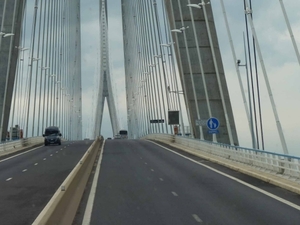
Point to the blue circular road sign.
(212, 123)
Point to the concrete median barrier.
(62, 207)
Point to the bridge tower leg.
(11, 14)
(187, 49)
(105, 86)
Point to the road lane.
(28, 181)
(141, 183)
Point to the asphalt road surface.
(28, 181)
(142, 183)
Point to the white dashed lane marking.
(24, 170)
(197, 218)
(174, 193)
(161, 179)
(44, 159)
(36, 164)
(8, 179)
(152, 170)
(145, 163)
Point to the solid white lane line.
(197, 218)
(89, 206)
(174, 193)
(161, 179)
(24, 170)
(19, 154)
(36, 164)
(8, 179)
(237, 180)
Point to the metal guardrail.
(275, 163)
(11, 146)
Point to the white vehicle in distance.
(117, 136)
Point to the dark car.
(52, 136)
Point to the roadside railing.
(11, 146)
(280, 164)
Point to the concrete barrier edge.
(62, 207)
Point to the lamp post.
(154, 80)
(181, 30)
(200, 63)
(249, 96)
(248, 12)
(4, 35)
(169, 45)
(202, 5)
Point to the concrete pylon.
(105, 86)
(194, 39)
(11, 14)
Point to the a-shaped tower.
(105, 87)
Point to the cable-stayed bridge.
(165, 56)
(40, 67)
(175, 77)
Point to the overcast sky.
(90, 63)
(280, 60)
